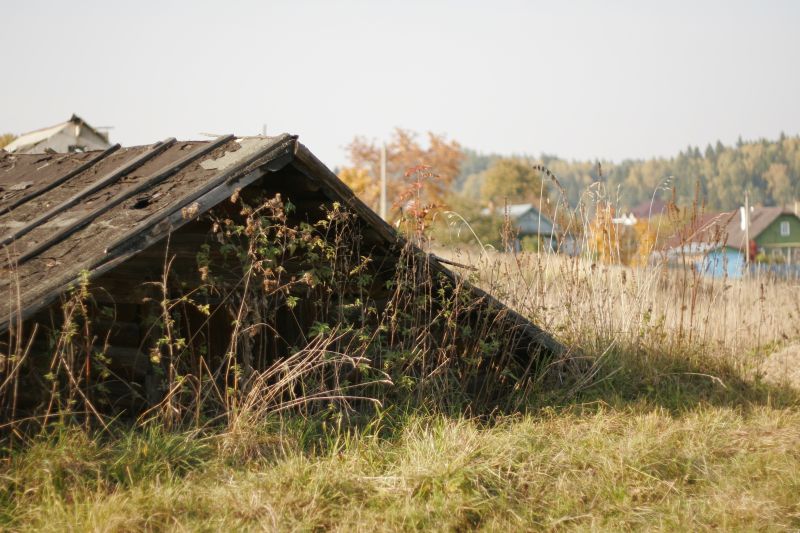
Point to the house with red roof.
(721, 244)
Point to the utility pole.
(264, 130)
(383, 181)
(747, 257)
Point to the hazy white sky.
(578, 79)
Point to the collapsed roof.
(62, 215)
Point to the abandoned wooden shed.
(129, 229)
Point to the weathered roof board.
(63, 214)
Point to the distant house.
(775, 230)
(702, 242)
(529, 223)
(74, 135)
(718, 243)
(643, 211)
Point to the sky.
(583, 80)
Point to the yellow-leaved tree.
(603, 237)
(514, 180)
(6, 138)
(404, 152)
(363, 184)
(645, 243)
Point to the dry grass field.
(636, 466)
(742, 321)
(669, 412)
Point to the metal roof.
(27, 141)
(528, 216)
(514, 210)
(703, 231)
(65, 214)
(725, 229)
(760, 219)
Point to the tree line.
(719, 174)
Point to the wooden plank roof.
(65, 214)
(97, 217)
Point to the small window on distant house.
(785, 228)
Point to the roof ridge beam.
(282, 151)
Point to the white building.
(74, 135)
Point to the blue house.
(722, 261)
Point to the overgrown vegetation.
(658, 417)
(661, 444)
(281, 312)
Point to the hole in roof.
(141, 202)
